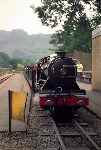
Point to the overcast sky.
(17, 14)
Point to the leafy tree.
(77, 26)
(53, 11)
(4, 60)
(77, 35)
(14, 62)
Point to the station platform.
(94, 97)
(15, 83)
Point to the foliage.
(14, 62)
(4, 60)
(76, 36)
(77, 26)
(53, 11)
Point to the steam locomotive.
(54, 77)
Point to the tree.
(77, 26)
(53, 11)
(4, 60)
(76, 35)
(14, 62)
(82, 35)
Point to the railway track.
(4, 78)
(83, 132)
(75, 137)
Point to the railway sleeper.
(87, 136)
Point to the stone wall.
(85, 59)
(96, 59)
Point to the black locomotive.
(54, 77)
(57, 74)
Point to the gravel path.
(15, 140)
(40, 133)
(19, 140)
(43, 129)
(14, 83)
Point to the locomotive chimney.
(61, 54)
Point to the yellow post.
(17, 106)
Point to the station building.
(96, 59)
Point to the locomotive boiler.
(54, 77)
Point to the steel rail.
(87, 136)
(5, 78)
(59, 137)
(83, 132)
(63, 147)
(92, 112)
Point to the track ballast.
(83, 132)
